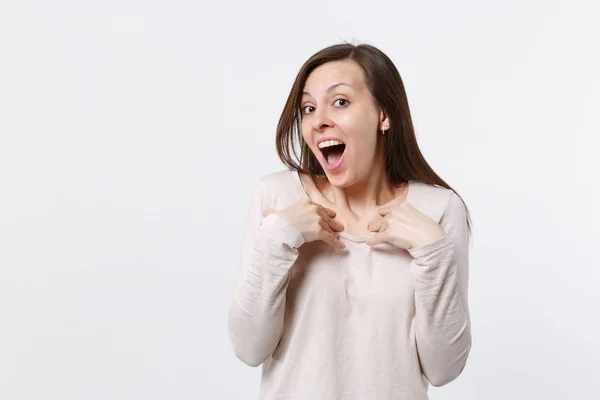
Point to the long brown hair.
(403, 158)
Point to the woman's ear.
(384, 121)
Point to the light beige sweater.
(360, 323)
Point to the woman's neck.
(370, 192)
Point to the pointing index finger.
(384, 211)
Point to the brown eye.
(341, 102)
(304, 111)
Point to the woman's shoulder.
(280, 188)
(431, 199)
(432, 189)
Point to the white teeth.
(330, 159)
(329, 143)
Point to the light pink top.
(358, 323)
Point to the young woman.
(354, 268)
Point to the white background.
(131, 133)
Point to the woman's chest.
(355, 275)
(354, 225)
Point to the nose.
(321, 120)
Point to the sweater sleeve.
(269, 249)
(442, 321)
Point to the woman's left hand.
(405, 227)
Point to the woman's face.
(337, 105)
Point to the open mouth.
(333, 154)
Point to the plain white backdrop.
(131, 134)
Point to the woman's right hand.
(313, 220)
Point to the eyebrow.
(330, 88)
